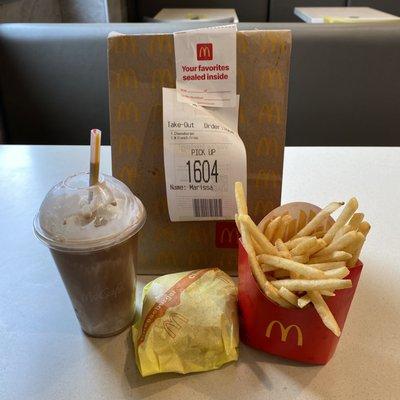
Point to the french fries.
(298, 261)
(341, 243)
(334, 256)
(272, 227)
(281, 229)
(364, 228)
(304, 285)
(348, 211)
(290, 265)
(241, 202)
(356, 220)
(257, 235)
(328, 265)
(257, 248)
(282, 249)
(320, 217)
(338, 273)
(289, 296)
(324, 312)
(304, 246)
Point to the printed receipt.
(203, 157)
(206, 66)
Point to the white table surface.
(316, 15)
(44, 355)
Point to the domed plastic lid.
(77, 217)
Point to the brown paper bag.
(139, 66)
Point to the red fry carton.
(296, 334)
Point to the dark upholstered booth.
(344, 82)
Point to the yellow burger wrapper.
(188, 323)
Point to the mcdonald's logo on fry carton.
(285, 331)
(204, 51)
(226, 235)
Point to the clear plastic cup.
(92, 233)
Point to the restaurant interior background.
(342, 138)
(343, 87)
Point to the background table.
(316, 15)
(44, 355)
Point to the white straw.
(95, 144)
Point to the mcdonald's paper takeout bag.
(139, 67)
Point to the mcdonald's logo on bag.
(226, 235)
(268, 146)
(125, 78)
(161, 77)
(285, 331)
(266, 179)
(127, 111)
(129, 144)
(204, 51)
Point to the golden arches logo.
(128, 144)
(265, 179)
(272, 78)
(127, 111)
(125, 78)
(271, 113)
(204, 51)
(268, 146)
(122, 44)
(273, 43)
(127, 174)
(161, 44)
(285, 331)
(174, 323)
(263, 207)
(161, 77)
(228, 235)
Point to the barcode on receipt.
(207, 207)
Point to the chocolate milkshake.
(92, 233)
